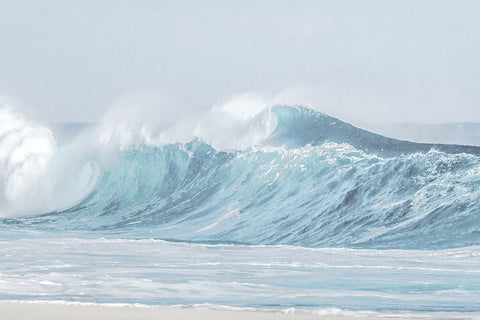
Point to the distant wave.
(303, 178)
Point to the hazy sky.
(392, 61)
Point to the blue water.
(320, 214)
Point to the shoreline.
(59, 310)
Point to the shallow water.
(157, 272)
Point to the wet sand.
(52, 311)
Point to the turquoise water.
(318, 215)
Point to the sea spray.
(328, 185)
(283, 208)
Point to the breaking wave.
(284, 175)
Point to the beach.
(57, 311)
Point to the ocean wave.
(304, 178)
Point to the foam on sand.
(60, 311)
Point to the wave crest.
(313, 180)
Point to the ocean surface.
(286, 209)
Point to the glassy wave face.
(314, 181)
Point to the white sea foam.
(26, 150)
(36, 176)
(268, 278)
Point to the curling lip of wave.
(316, 181)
